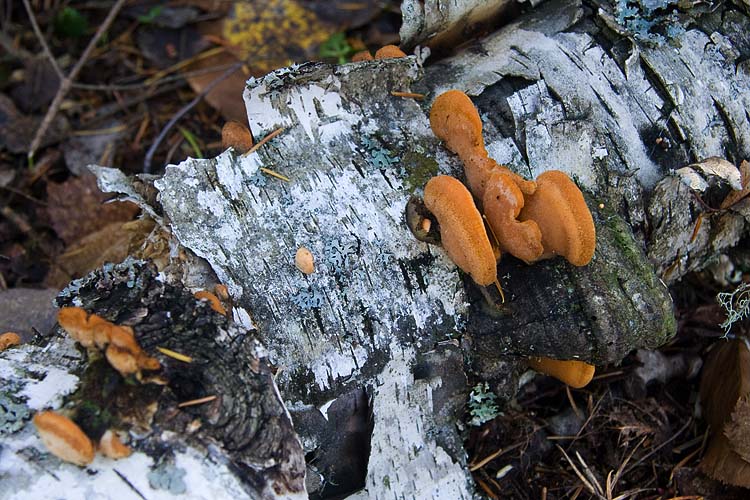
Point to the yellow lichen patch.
(274, 33)
(63, 438)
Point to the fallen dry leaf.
(76, 208)
(267, 34)
(725, 389)
(108, 244)
(737, 429)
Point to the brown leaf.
(109, 244)
(726, 379)
(725, 390)
(76, 208)
(40, 84)
(737, 429)
(16, 134)
(226, 96)
(722, 463)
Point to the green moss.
(418, 168)
(633, 257)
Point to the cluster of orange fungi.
(118, 342)
(531, 220)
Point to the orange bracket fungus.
(236, 135)
(63, 438)
(576, 374)
(502, 203)
(363, 55)
(455, 121)
(389, 52)
(527, 223)
(461, 228)
(558, 208)
(384, 52)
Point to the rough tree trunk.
(370, 348)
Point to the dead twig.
(67, 81)
(263, 141)
(148, 159)
(42, 40)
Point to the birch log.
(373, 341)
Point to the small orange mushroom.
(9, 339)
(63, 438)
(111, 446)
(461, 228)
(304, 261)
(74, 320)
(363, 55)
(221, 291)
(502, 203)
(575, 373)
(558, 208)
(389, 52)
(212, 299)
(236, 135)
(455, 120)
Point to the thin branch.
(171, 123)
(145, 85)
(66, 83)
(42, 40)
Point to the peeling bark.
(242, 443)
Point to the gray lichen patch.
(345, 202)
(13, 414)
(166, 476)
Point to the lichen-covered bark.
(446, 23)
(556, 89)
(243, 440)
(687, 230)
